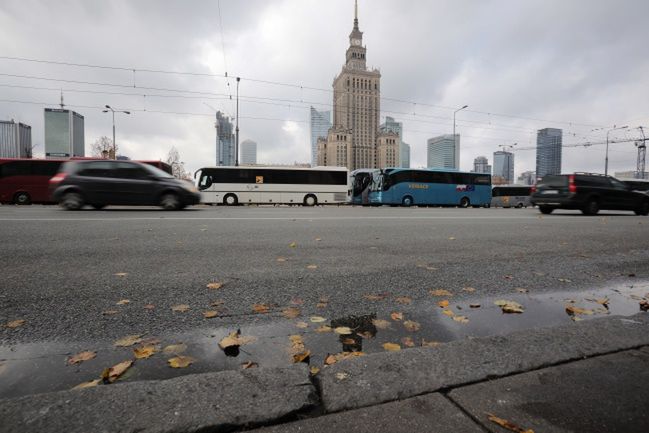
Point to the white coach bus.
(272, 185)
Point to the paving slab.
(214, 401)
(604, 394)
(384, 377)
(432, 413)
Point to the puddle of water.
(41, 367)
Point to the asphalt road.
(61, 270)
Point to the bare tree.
(103, 148)
(177, 166)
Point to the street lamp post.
(606, 159)
(109, 108)
(236, 149)
(454, 137)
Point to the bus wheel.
(22, 198)
(407, 201)
(465, 202)
(310, 200)
(230, 200)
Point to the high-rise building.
(387, 149)
(15, 140)
(391, 125)
(225, 140)
(504, 166)
(405, 155)
(320, 124)
(64, 133)
(548, 151)
(527, 178)
(356, 105)
(248, 152)
(444, 151)
(481, 165)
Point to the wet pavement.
(42, 367)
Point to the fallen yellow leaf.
(343, 330)
(349, 341)
(302, 325)
(411, 326)
(461, 319)
(314, 370)
(302, 356)
(396, 316)
(180, 308)
(342, 376)
(565, 280)
(443, 304)
(113, 373)
(332, 359)
(451, 238)
(15, 323)
(391, 347)
(318, 239)
(81, 356)
(109, 312)
(129, 340)
(144, 352)
(572, 310)
(121, 274)
(181, 361)
(209, 314)
(235, 339)
(261, 308)
(509, 306)
(123, 302)
(404, 300)
(317, 319)
(448, 313)
(408, 342)
(88, 384)
(291, 312)
(508, 425)
(292, 245)
(378, 297)
(440, 292)
(281, 259)
(323, 328)
(249, 364)
(425, 343)
(322, 303)
(215, 285)
(149, 307)
(381, 324)
(175, 349)
(312, 267)
(468, 289)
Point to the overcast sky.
(569, 64)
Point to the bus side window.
(206, 182)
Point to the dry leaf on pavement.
(461, 319)
(109, 312)
(343, 330)
(180, 308)
(443, 304)
(302, 325)
(317, 319)
(209, 314)
(468, 289)
(249, 364)
(334, 358)
(411, 325)
(281, 259)
(509, 306)
(149, 307)
(175, 349)
(508, 425)
(292, 245)
(448, 313)
(123, 302)
(440, 292)
(365, 334)
(302, 356)
(81, 356)
(261, 308)
(215, 285)
(408, 342)
(121, 274)
(404, 300)
(381, 324)
(291, 312)
(521, 290)
(88, 384)
(15, 323)
(425, 343)
(144, 352)
(322, 303)
(323, 328)
(396, 316)
(235, 339)
(181, 361)
(314, 370)
(129, 340)
(312, 267)
(565, 280)
(391, 347)
(342, 376)
(110, 375)
(572, 310)
(474, 305)
(377, 297)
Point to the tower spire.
(355, 14)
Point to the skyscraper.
(405, 155)
(527, 178)
(356, 104)
(64, 133)
(548, 151)
(15, 140)
(504, 166)
(392, 125)
(225, 151)
(481, 165)
(444, 152)
(248, 152)
(320, 124)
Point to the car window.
(97, 169)
(617, 184)
(126, 170)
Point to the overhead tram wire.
(277, 83)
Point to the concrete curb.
(219, 401)
(389, 376)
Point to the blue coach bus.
(359, 182)
(407, 187)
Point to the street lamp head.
(108, 106)
(466, 106)
(104, 111)
(127, 112)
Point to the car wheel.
(407, 201)
(71, 201)
(643, 209)
(591, 208)
(98, 206)
(230, 200)
(310, 200)
(547, 210)
(465, 202)
(170, 201)
(22, 198)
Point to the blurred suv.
(106, 182)
(589, 193)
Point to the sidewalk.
(590, 376)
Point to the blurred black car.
(105, 182)
(589, 193)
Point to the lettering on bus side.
(417, 186)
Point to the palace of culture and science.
(356, 140)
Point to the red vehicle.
(25, 181)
